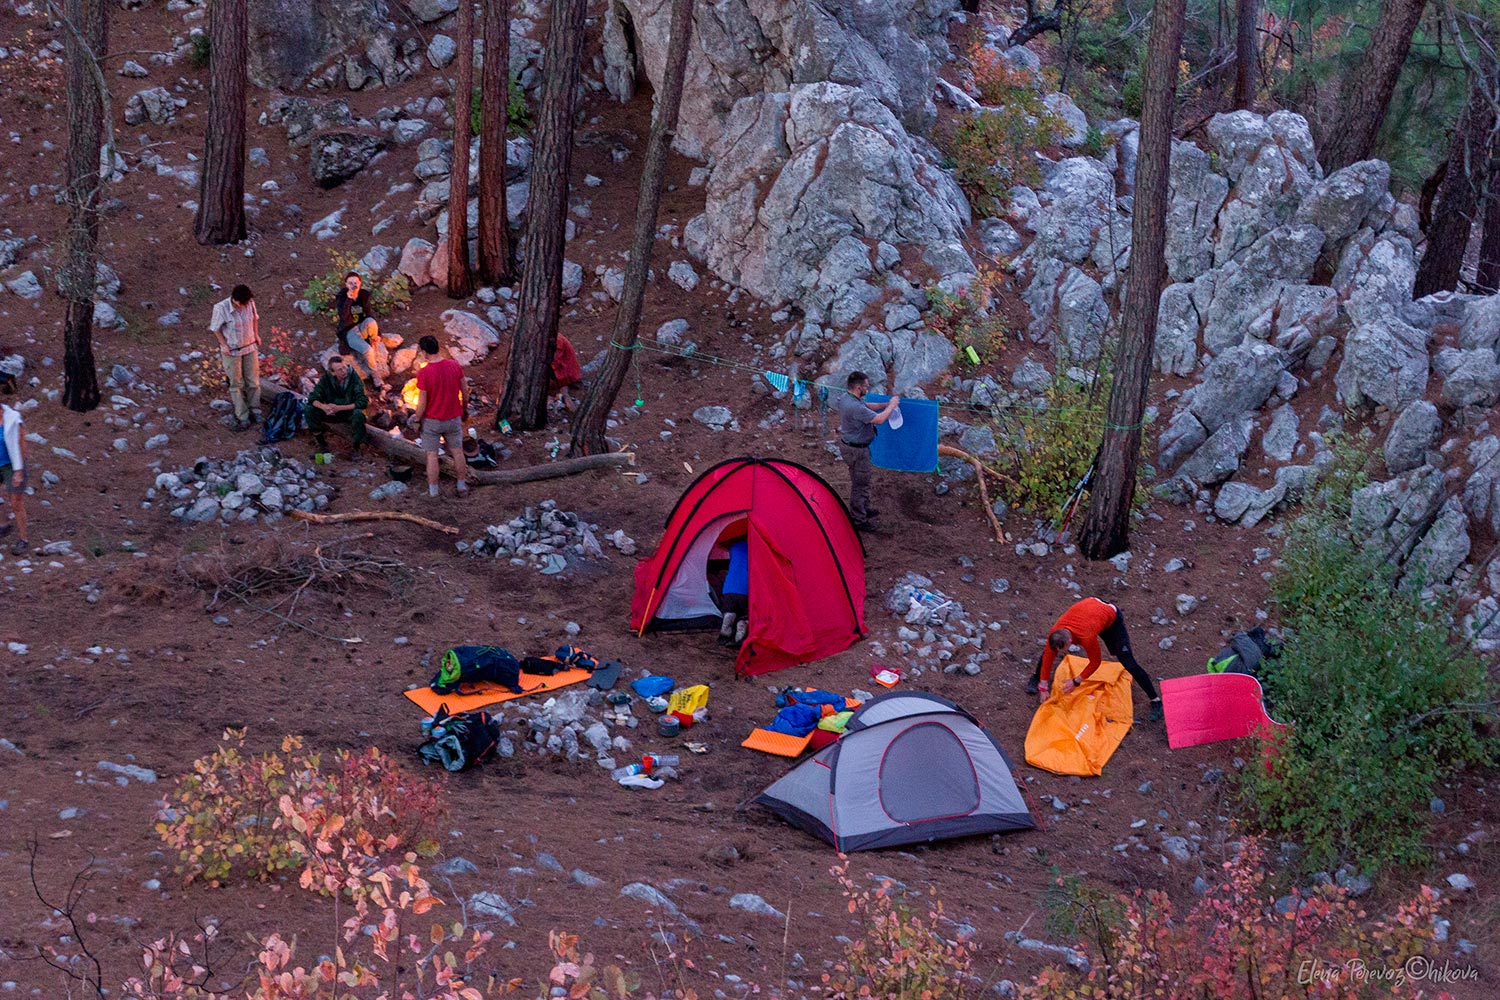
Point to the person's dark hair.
(1060, 640)
(242, 294)
(856, 378)
(354, 274)
(428, 344)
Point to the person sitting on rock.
(1086, 623)
(357, 329)
(338, 398)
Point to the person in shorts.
(13, 476)
(440, 413)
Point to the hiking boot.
(726, 630)
(1155, 715)
(432, 490)
(20, 547)
(463, 487)
(1031, 686)
(255, 416)
(741, 632)
(6, 529)
(241, 425)
(320, 442)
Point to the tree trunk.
(460, 278)
(1488, 278)
(525, 397)
(589, 424)
(1106, 528)
(1038, 23)
(494, 109)
(221, 194)
(1458, 196)
(1369, 86)
(1246, 53)
(86, 37)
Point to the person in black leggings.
(1087, 623)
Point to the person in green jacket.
(338, 398)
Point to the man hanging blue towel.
(913, 446)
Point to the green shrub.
(517, 114)
(200, 50)
(387, 294)
(1379, 696)
(993, 151)
(967, 318)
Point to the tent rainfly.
(911, 768)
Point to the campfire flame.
(409, 393)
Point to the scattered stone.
(751, 903)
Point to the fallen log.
(374, 515)
(398, 449)
(984, 494)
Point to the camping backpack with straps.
(284, 419)
(460, 741)
(1245, 654)
(472, 664)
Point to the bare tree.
(589, 425)
(1488, 278)
(221, 193)
(460, 278)
(1038, 22)
(1368, 89)
(1246, 53)
(494, 111)
(525, 398)
(86, 34)
(1458, 196)
(1106, 528)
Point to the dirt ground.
(144, 675)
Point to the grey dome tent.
(911, 768)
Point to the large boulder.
(469, 338)
(805, 182)
(1270, 167)
(1414, 431)
(1196, 194)
(1218, 458)
(338, 156)
(1340, 203)
(896, 360)
(1470, 378)
(1236, 384)
(890, 48)
(1076, 201)
(292, 39)
(1443, 547)
(1385, 363)
(156, 105)
(1375, 273)
(1176, 345)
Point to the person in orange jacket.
(1086, 623)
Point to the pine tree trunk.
(1369, 86)
(221, 194)
(85, 43)
(589, 424)
(525, 397)
(460, 278)
(1457, 202)
(1106, 528)
(1488, 279)
(494, 107)
(1246, 53)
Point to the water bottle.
(627, 771)
(654, 760)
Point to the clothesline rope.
(995, 411)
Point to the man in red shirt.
(1086, 623)
(440, 413)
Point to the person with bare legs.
(440, 413)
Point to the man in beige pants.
(236, 325)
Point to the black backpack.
(472, 664)
(1245, 654)
(465, 739)
(284, 419)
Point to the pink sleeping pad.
(1208, 708)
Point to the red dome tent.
(807, 564)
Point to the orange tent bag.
(1078, 731)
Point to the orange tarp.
(1077, 732)
(487, 693)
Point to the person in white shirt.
(236, 325)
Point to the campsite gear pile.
(806, 564)
(546, 538)
(256, 483)
(911, 768)
(805, 718)
(458, 742)
(1245, 654)
(937, 631)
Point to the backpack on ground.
(284, 419)
(465, 739)
(473, 664)
(1245, 654)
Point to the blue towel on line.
(913, 448)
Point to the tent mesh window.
(926, 774)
